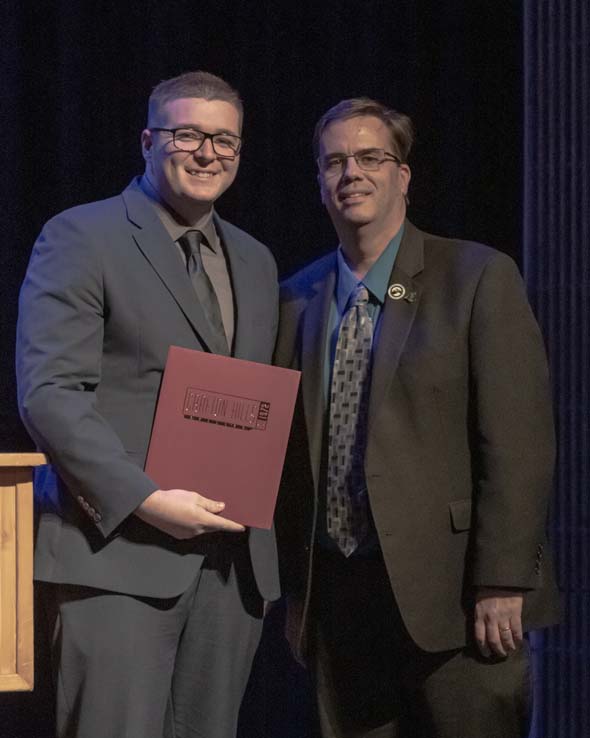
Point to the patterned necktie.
(191, 245)
(347, 503)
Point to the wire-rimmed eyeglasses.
(369, 160)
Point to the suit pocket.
(460, 515)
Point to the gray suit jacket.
(460, 451)
(104, 297)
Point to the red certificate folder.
(221, 429)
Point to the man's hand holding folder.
(184, 514)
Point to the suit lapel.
(156, 245)
(314, 337)
(399, 311)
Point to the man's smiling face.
(355, 197)
(190, 182)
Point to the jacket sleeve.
(513, 433)
(60, 331)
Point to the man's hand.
(184, 514)
(498, 625)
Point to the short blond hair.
(193, 84)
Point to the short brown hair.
(400, 125)
(193, 84)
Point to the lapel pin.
(396, 291)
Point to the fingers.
(229, 526)
(492, 640)
(212, 506)
(209, 516)
(506, 638)
(498, 625)
(480, 638)
(207, 522)
(517, 632)
(184, 514)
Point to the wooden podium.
(16, 570)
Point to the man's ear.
(146, 144)
(405, 176)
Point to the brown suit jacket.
(460, 450)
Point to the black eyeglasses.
(368, 160)
(225, 145)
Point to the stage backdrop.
(75, 80)
(557, 270)
(76, 77)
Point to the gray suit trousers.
(122, 663)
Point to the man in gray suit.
(155, 599)
(411, 519)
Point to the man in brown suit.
(412, 519)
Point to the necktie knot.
(194, 238)
(191, 244)
(360, 296)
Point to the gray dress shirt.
(212, 253)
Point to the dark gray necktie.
(347, 502)
(191, 245)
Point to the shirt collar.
(173, 222)
(376, 280)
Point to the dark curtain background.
(75, 77)
(557, 270)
